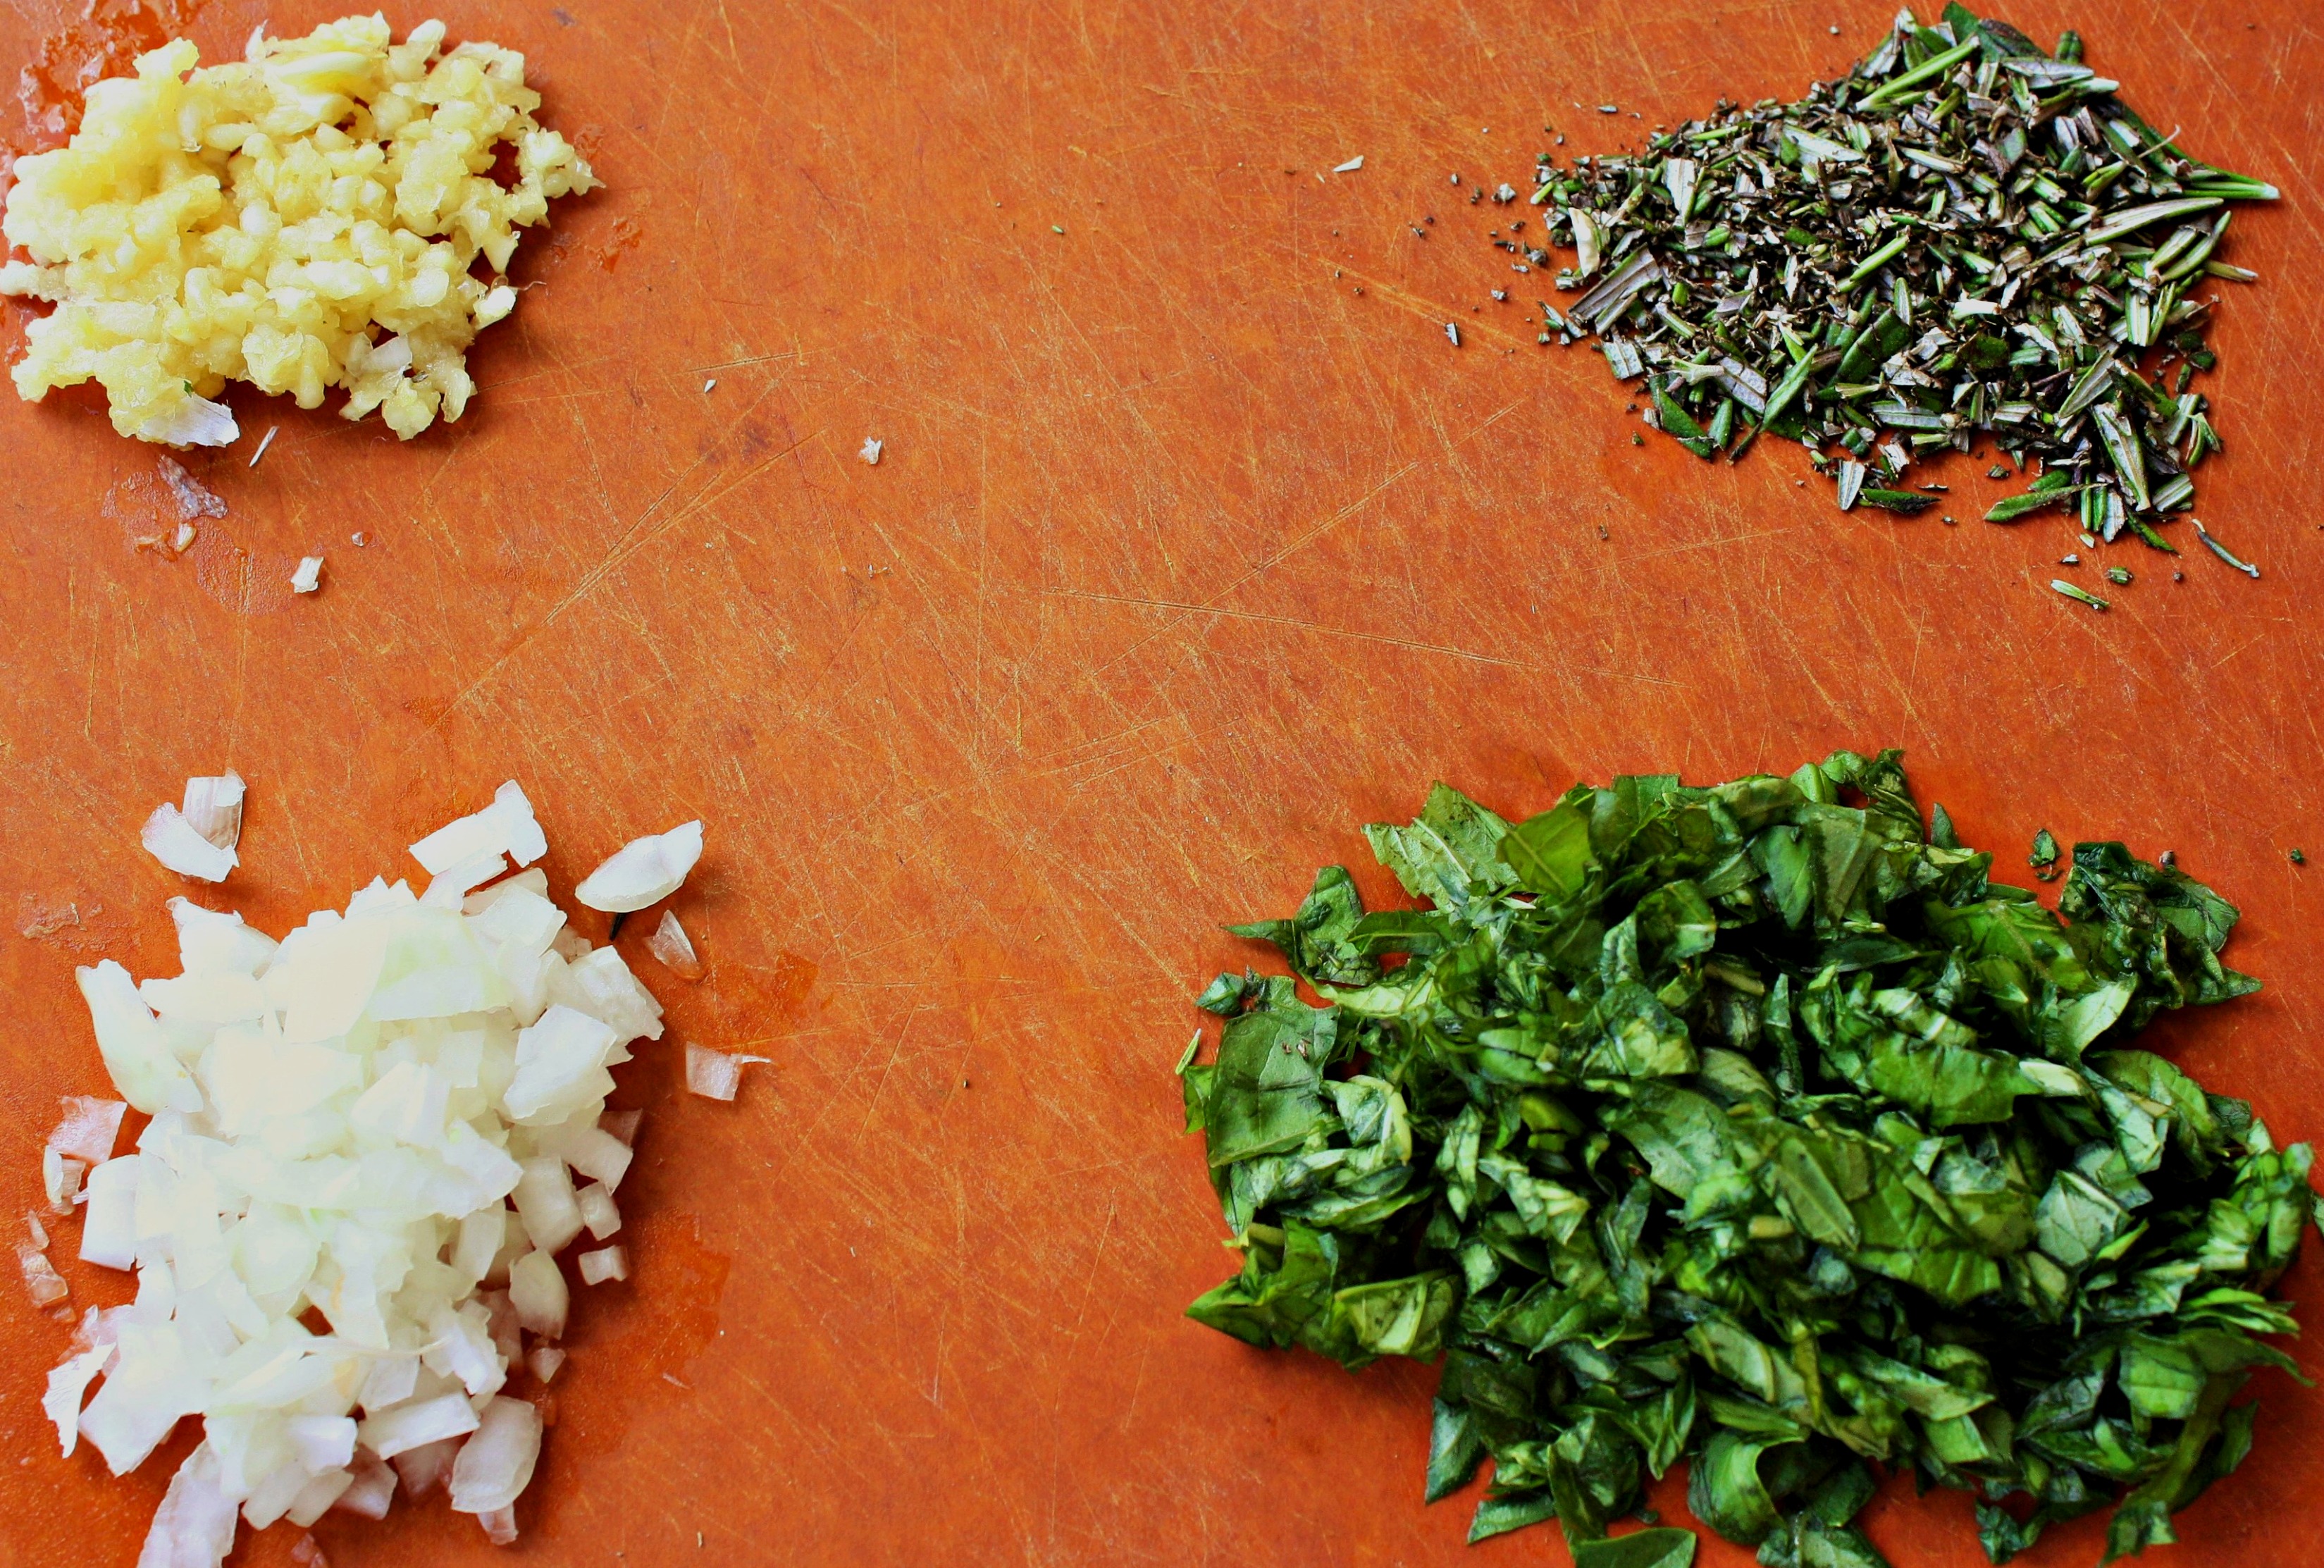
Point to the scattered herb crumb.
(2044, 858)
(2222, 550)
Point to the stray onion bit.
(872, 449)
(344, 1214)
(60, 1177)
(194, 1525)
(88, 1128)
(715, 1075)
(308, 577)
(41, 1280)
(178, 845)
(642, 872)
(83, 1139)
(214, 807)
(608, 1263)
(670, 943)
(198, 838)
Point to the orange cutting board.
(1194, 545)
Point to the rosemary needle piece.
(2080, 596)
(2222, 550)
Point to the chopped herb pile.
(1754, 1125)
(1965, 237)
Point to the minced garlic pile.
(304, 218)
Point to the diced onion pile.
(368, 1144)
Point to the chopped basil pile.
(1965, 237)
(1754, 1125)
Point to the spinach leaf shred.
(1754, 1125)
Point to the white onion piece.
(317, 1498)
(592, 1150)
(408, 1427)
(507, 826)
(715, 1075)
(215, 941)
(271, 1497)
(308, 577)
(60, 1180)
(322, 1443)
(600, 984)
(496, 1465)
(546, 1203)
(534, 882)
(159, 1375)
(507, 1332)
(482, 1235)
(69, 1384)
(536, 1287)
(173, 841)
(423, 1468)
(213, 808)
(643, 872)
(42, 1283)
(391, 1380)
(128, 1036)
(500, 1526)
(622, 1124)
(88, 1128)
(463, 1347)
(108, 1231)
(671, 945)
(372, 1490)
(560, 1066)
(606, 1263)
(194, 1525)
(545, 1361)
(450, 888)
(598, 1211)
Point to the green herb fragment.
(2079, 596)
(2044, 856)
(1755, 1127)
(1963, 238)
(2299, 857)
(2222, 550)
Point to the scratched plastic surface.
(1184, 559)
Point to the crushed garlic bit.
(872, 449)
(308, 577)
(257, 220)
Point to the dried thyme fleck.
(1963, 238)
